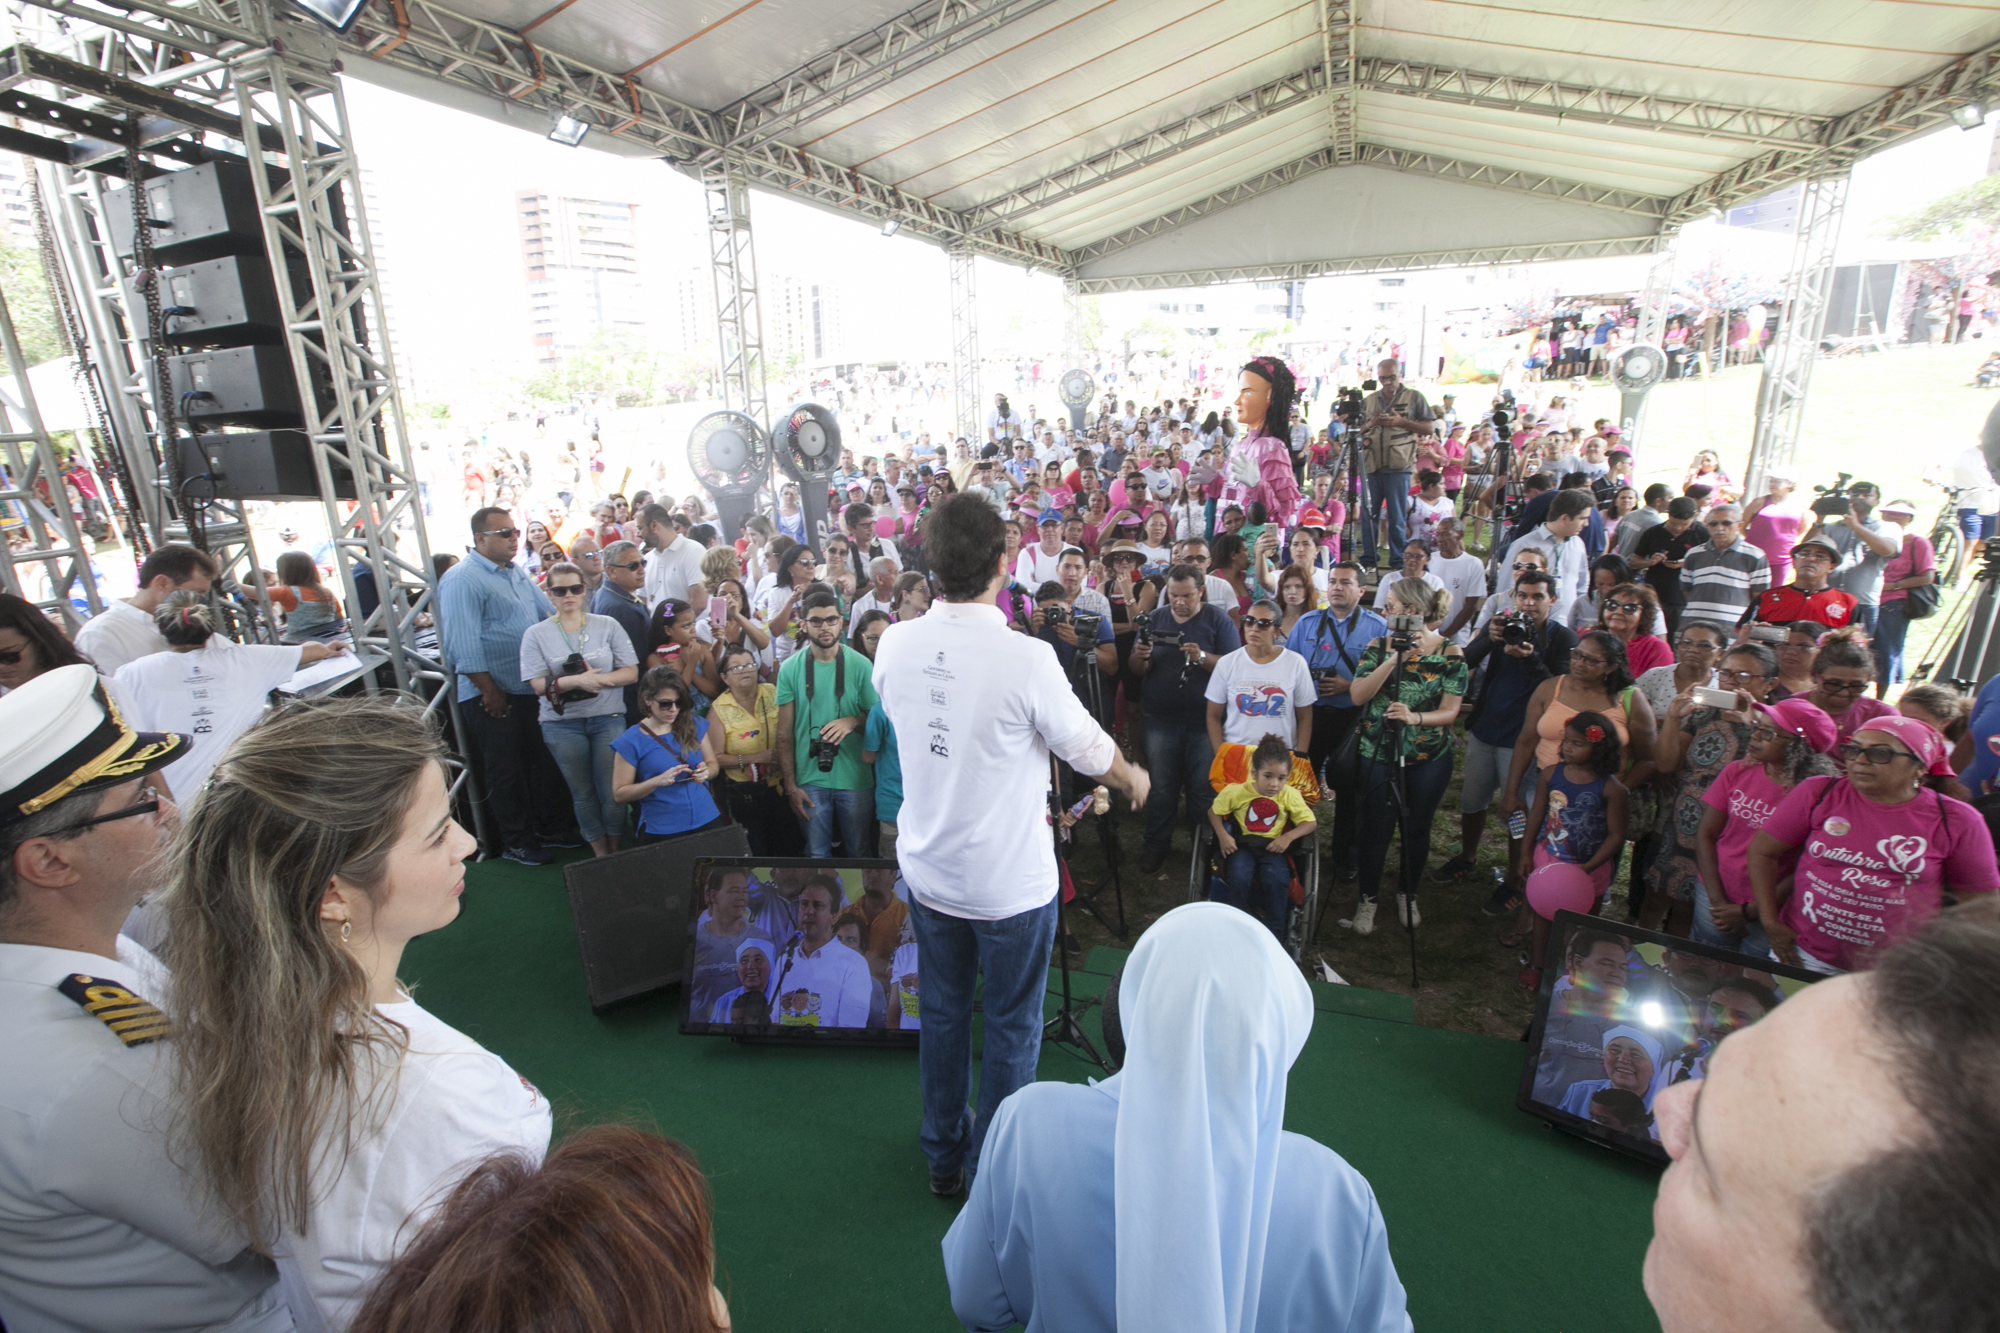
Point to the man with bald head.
(1836, 1168)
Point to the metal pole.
(965, 346)
(1781, 397)
(54, 540)
(739, 320)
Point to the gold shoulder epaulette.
(134, 1021)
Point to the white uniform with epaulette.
(99, 1230)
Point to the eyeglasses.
(1588, 659)
(1876, 755)
(148, 803)
(742, 666)
(1763, 735)
(1740, 677)
(1629, 608)
(566, 590)
(509, 533)
(822, 622)
(1840, 686)
(1526, 564)
(662, 705)
(629, 564)
(1259, 622)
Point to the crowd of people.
(1671, 685)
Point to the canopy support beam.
(965, 347)
(732, 267)
(1781, 396)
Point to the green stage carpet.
(823, 1216)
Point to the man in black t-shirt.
(1174, 682)
(1662, 550)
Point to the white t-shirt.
(828, 989)
(865, 603)
(1034, 566)
(1390, 577)
(1425, 516)
(673, 571)
(455, 1104)
(1261, 699)
(1464, 576)
(119, 634)
(214, 694)
(1220, 595)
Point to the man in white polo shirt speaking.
(978, 710)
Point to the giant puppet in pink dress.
(1259, 464)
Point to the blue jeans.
(1752, 941)
(1424, 784)
(856, 812)
(582, 747)
(1178, 753)
(1392, 488)
(1013, 955)
(1891, 628)
(1261, 884)
(1865, 616)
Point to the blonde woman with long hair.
(325, 1111)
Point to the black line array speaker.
(204, 212)
(235, 386)
(256, 465)
(631, 912)
(225, 302)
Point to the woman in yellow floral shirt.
(747, 713)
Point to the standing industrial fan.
(1635, 370)
(807, 443)
(731, 458)
(1076, 388)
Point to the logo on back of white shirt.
(939, 748)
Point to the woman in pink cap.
(1875, 850)
(1789, 742)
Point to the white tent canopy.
(1129, 143)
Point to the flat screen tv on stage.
(1624, 1014)
(800, 950)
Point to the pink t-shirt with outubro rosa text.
(1870, 874)
(1745, 793)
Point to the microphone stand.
(1064, 1027)
(1399, 793)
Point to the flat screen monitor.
(800, 950)
(1625, 1013)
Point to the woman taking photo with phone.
(325, 1111)
(663, 764)
(580, 665)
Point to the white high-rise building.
(581, 261)
(17, 200)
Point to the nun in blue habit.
(1169, 1196)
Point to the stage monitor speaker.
(232, 302)
(236, 386)
(631, 912)
(257, 465)
(204, 212)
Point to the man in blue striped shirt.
(485, 604)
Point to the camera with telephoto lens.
(823, 752)
(1517, 628)
(1403, 632)
(1833, 500)
(573, 665)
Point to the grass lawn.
(1884, 418)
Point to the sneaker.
(1505, 899)
(1364, 918)
(948, 1187)
(1150, 861)
(1406, 911)
(567, 841)
(527, 856)
(1456, 868)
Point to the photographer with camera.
(1331, 640)
(824, 695)
(1864, 542)
(580, 663)
(1177, 647)
(977, 712)
(1521, 648)
(1392, 419)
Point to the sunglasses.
(661, 705)
(1629, 608)
(629, 564)
(1259, 622)
(1526, 564)
(1876, 755)
(509, 533)
(566, 590)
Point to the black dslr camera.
(823, 752)
(1833, 500)
(1086, 626)
(573, 665)
(1517, 628)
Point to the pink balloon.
(1560, 886)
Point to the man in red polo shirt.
(1807, 596)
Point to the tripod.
(1065, 1028)
(1089, 684)
(1399, 797)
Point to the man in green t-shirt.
(824, 695)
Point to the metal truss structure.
(52, 567)
(174, 82)
(1073, 331)
(1320, 268)
(965, 347)
(732, 267)
(1337, 22)
(1788, 365)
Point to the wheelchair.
(1302, 915)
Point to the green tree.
(1953, 214)
(27, 292)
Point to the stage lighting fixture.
(336, 14)
(567, 130)
(1970, 116)
(892, 226)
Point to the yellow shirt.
(1259, 815)
(747, 732)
